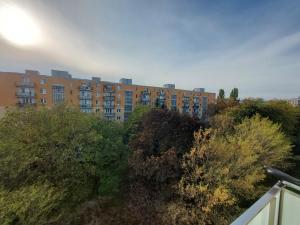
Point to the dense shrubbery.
(61, 166)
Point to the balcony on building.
(109, 98)
(161, 96)
(186, 102)
(145, 97)
(85, 87)
(85, 97)
(85, 106)
(85, 93)
(21, 94)
(108, 88)
(109, 94)
(196, 106)
(25, 83)
(109, 114)
(109, 106)
(26, 102)
(279, 206)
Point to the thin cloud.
(193, 44)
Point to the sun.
(18, 27)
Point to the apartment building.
(113, 100)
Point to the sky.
(252, 45)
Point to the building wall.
(8, 90)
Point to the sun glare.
(18, 27)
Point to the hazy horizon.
(254, 46)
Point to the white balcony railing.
(279, 206)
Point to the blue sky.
(253, 45)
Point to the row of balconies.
(108, 94)
(111, 105)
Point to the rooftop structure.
(60, 73)
(171, 86)
(126, 81)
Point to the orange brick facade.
(115, 101)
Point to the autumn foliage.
(160, 168)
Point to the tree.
(224, 169)
(161, 138)
(221, 95)
(234, 94)
(131, 125)
(220, 106)
(277, 111)
(31, 205)
(53, 148)
(111, 157)
(161, 130)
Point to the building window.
(118, 117)
(118, 110)
(58, 94)
(42, 81)
(128, 101)
(118, 87)
(98, 94)
(186, 104)
(43, 101)
(43, 91)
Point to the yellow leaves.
(206, 209)
(225, 171)
(223, 196)
(219, 197)
(202, 188)
(224, 167)
(193, 151)
(199, 171)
